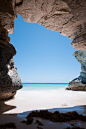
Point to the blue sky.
(43, 56)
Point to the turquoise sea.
(43, 86)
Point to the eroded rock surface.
(10, 82)
(80, 82)
(65, 16)
(7, 50)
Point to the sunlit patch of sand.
(45, 99)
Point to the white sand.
(45, 99)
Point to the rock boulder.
(10, 82)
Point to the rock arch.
(65, 16)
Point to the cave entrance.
(43, 56)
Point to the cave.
(64, 16)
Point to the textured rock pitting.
(9, 81)
(79, 83)
(64, 16)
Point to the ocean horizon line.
(42, 83)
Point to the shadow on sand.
(4, 107)
(17, 118)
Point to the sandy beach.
(45, 99)
(16, 109)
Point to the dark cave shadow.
(81, 110)
(4, 107)
(17, 118)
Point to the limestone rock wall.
(7, 51)
(79, 83)
(9, 81)
(65, 16)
